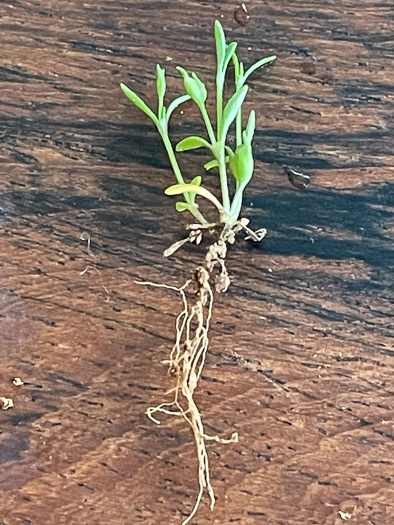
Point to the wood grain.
(302, 358)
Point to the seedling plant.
(187, 357)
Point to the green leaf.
(182, 206)
(175, 103)
(220, 40)
(161, 82)
(242, 164)
(232, 108)
(135, 99)
(229, 151)
(191, 197)
(250, 127)
(230, 50)
(214, 163)
(211, 164)
(197, 180)
(192, 143)
(178, 189)
(238, 71)
(236, 64)
(194, 87)
(260, 63)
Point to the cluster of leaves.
(239, 161)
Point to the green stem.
(219, 108)
(223, 178)
(236, 205)
(171, 155)
(198, 215)
(208, 125)
(220, 152)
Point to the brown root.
(187, 357)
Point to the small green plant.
(187, 357)
(239, 162)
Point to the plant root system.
(188, 355)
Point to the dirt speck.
(241, 15)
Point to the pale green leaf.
(175, 103)
(211, 164)
(214, 163)
(260, 63)
(192, 143)
(135, 99)
(182, 206)
(250, 127)
(196, 181)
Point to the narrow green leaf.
(161, 81)
(135, 99)
(192, 143)
(232, 108)
(230, 51)
(161, 90)
(229, 151)
(260, 63)
(236, 63)
(175, 103)
(182, 206)
(250, 127)
(220, 40)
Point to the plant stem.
(208, 125)
(197, 214)
(223, 178)
(219, 108)
(220, 152)
(236, 204)
(171, 155)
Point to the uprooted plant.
(188, 354)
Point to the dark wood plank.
(301, 360)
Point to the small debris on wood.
(297, 179)
(308, 68)
(7, 403)
(17, 381)
(86, 237)
(241, 15)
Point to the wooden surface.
(302, 359)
